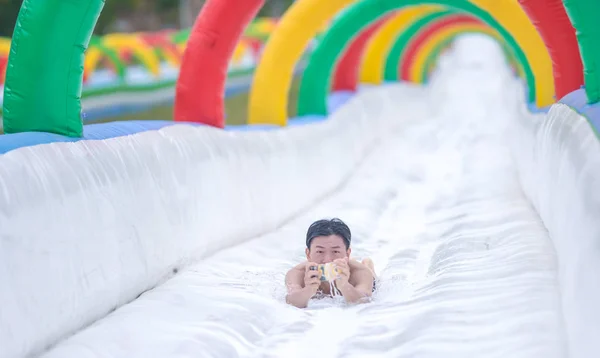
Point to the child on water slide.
(329, 269)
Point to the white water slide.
(481, 218)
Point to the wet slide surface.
(465, 265)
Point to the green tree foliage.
(9, 9)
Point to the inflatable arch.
(32, 96)
(314, 88)
(411, 37)
(400, 59)
(268, 96)
(584, 17)
(201, 84)
(253, 38)
(47, 98)
(246, 43)
(95, 52)
(400, 45)
(552, 22)
(378, 49)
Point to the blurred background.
(120, 74)
(139, 15)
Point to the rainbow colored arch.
(550, 43)
(547, 55)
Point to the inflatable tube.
(371, 70)
(397, 50)
(47, 98)
(404, 65)
(552, 22)
(415, 61)
(201, 84)
(347, 72)
(584, 17)
(312, 101)
(95, 52)
(136, 46)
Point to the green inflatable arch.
(47, 97)
(317, 75)
(584, 17)
(433, 57)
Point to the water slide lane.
(465, 263)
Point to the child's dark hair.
(326, 227)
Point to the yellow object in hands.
(329, 272)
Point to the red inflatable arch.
(199, 93)
(554, 26)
